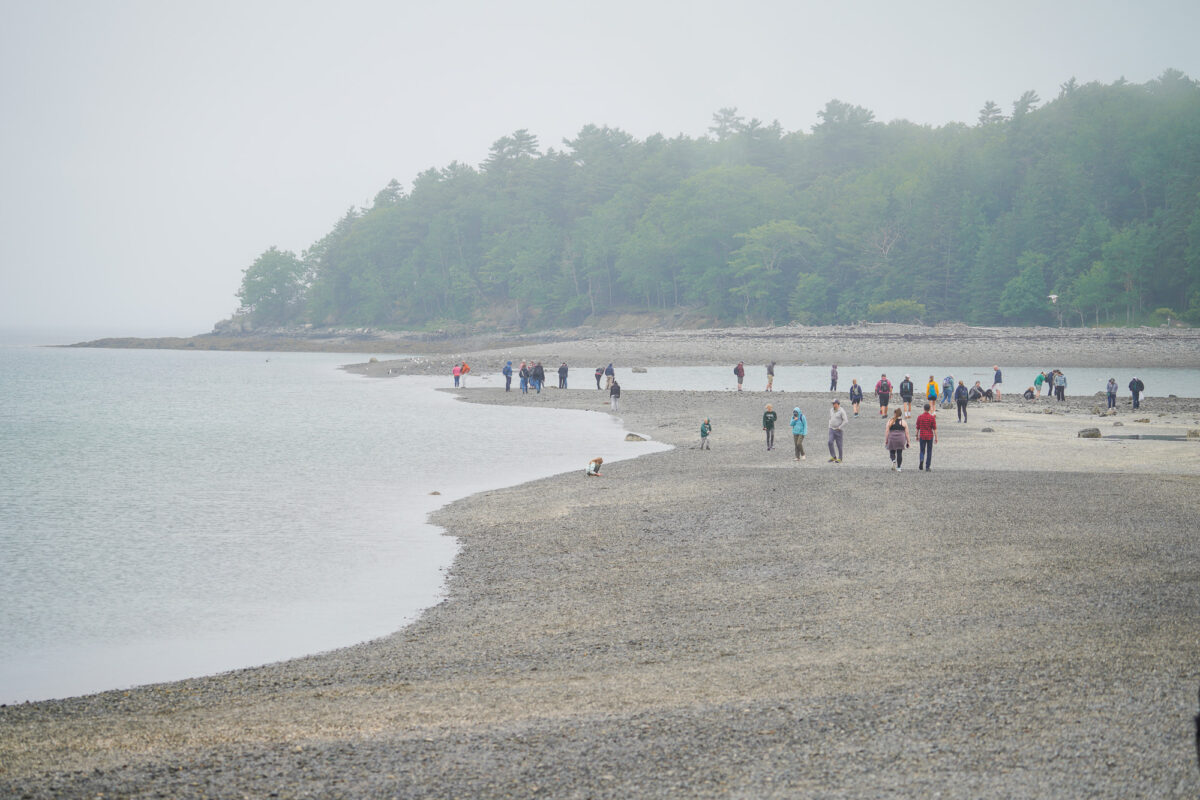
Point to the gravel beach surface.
(1022, 621)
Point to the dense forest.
(1084, 210)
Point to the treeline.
(1084, 210)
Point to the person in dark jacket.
(599, 375)
(614, 394)
(538, 373)
(562, 376)
(960, 399)
(855, 395)
(507, 372)
(1136, 387)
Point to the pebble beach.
(1022, 621)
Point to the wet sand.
(1021, 621)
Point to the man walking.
(837, 422)
(927, 436)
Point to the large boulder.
(1089, 433)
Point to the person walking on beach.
(770, 375)
(740, 372)
(931, 392)
(457, 373)
(837, 423)
(799, 431)
(948, 391)
(599, 375)
(610, 375)
(833, 378)
(614, 394)
(883, 390)
(705, 430)
(562, 376)
(769, 417)
(906, 394)
(465, 369)
(997, 379)
(507, 373)
(895, 438)
(1110, 392)
(960, 399)
(524, 376)
(1136, 387)
(926, 438)
(855, 395)
(1037, 385)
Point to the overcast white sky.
(150, 150)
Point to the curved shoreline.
(725, 622)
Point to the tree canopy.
(1092, 198)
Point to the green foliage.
(1092, 198)
(272, 287)
(896, 311)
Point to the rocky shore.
(1022, 621)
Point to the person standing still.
(833, 378)
(507, 373)
(1060, 385)
(562, 376)
(997, 379)
(926, 437)
(1136, 387)
(960, 399)
(837, 423)
(799, 431)
(610, 375)
(740, 372)
(769, 417)
(1110, 392)
(770, 375)
(457, 372)
(599, 375)
(614, 394)
(705, 430)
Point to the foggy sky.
(150, 151)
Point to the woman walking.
(855, 394)
(960, 398)
(799, 431)
(895, 438)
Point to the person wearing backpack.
(960, 398)
(855, 395)
(883, 390)
(799, 431)
(906, 394)
(740, 372)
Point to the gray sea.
(169, 514)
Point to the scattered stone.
(987, 430)
(1143, 419)
(1118, 424)
(1089, 433)
(373, 360)
(1047, 410)
(639, 369)
(633, 437)
(1194, 433)
(435, 492)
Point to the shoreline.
(742, 623)
(949, 344)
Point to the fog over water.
(149, 152)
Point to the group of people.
(532, 376)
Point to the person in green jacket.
(705, 430)
(1037, 384)
(769, 417)
(799, 431)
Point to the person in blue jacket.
(507, 372)
(799, 431)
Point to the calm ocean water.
(167, 514)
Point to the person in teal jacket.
(799, 431)
(705, 430)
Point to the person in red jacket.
(926, 436)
